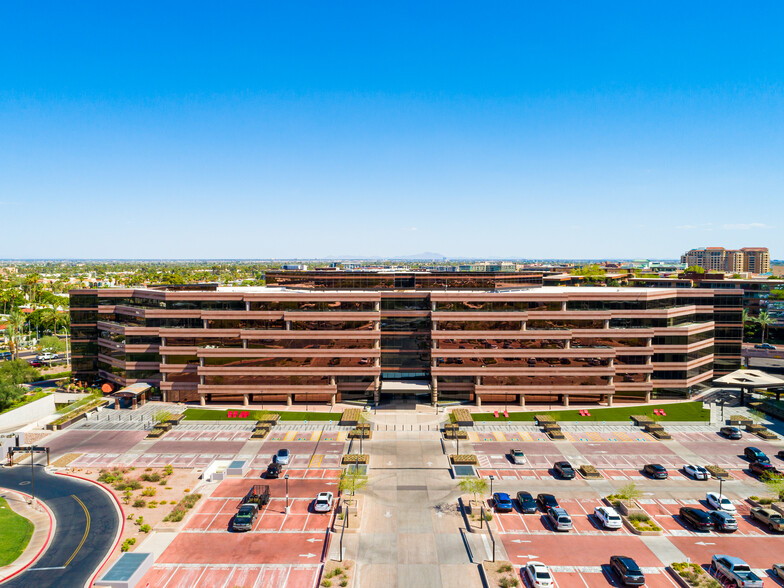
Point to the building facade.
(755, 260)
(326, 336)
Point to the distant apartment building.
(755, 260)
(327, 336)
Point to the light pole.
(721, 481)
(32, 475)
(492, 477)
(286, 477)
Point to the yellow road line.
(312, 459)
(86, 530)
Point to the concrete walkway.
(38, 516)
(412, 533)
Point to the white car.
(720, 502)
(696, 472)
(47, 357)
(323, 502)
(608, 517)
(517, 455)
(538, 575)
(282, 456)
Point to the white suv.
(323, 502)
(608, 517)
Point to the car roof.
(722, 514)
(731, 559)
(502, 494)
(627, 561)
(559, 510)
(324, 494)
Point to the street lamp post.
(286, 477)
(492, 477)
(32, 475)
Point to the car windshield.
(564, 520)
(542, 576)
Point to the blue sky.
(296, 129)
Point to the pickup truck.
(769, 517)
(735, 571)
(243, 520)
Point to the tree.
(18, 371)
(162, 416)
(775, 484)
(13, 330)
(352, 479)
(9, 393)
(695, 269)
(764, 320)
(473, 486)
(629, 492)
(52, 343)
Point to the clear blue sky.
(295, 129)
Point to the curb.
(122, 522)
(46, 543)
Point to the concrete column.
(563, 306)
(566, 400)
(244, 343)
(376, 389)
(204, 323)
(142, 397)
(116, 404)
(165, 395)
(332, 400)
(648, 396)
(523, 325)
(568, 344)
(609, 400)
(433, 390)
(247, 306)
(135, 405)
(245, 400)
(202, 402)
(376, 325)
(377, 306)
(288, 399)
(478, 400)
(522, 399)
(607, 323)
(288, 325)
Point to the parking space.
(207, 553)
(175, 576)
(90, 441)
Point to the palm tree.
(16, 321)
(764, 320)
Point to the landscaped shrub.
(127, 544)
(178, 513)
(153, 477)
(169, 469)
(127, 485)
(149, 491)
(139, 503)
(145, 528)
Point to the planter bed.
(556, 434)
(76, 415)
(755, 428)
(589, 472)
(767, 435)
(260, 433)
(176, 419)
(357, 433)
(355, 458)
(350, 417)
(641, 419)
(691, 575)
(543, 419)
(651, 530)
(495, 572)
(156, 433)
(466, 459)
(717, 472)
(651, 427)
(462, 417)
(455, 434)
(662, 435)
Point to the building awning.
(133, 391)
(750, 379)
(405, 387)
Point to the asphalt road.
(86, 525)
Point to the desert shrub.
(149, 491)
(153, 477)
(145, 528)
(139, 503)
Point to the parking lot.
(580, 557)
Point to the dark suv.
(655, 471)
(628, 570)
(564, 470)
(274, 469)
(546, 501)
(761, 468)
(731, 433)
(527, 502)
(697, 519)
(753, 454)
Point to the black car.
(753, 454)
(6, 356)
(546, 501)
(526, 502)
(274, 469)
(628, 570)
(762, 468)
(780, 454)
(697, 519)
(655, 471)
(731, 433)
(564, 470)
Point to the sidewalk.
(44, 529)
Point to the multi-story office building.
(336, 335)
(755, 260)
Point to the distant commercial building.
(326, 336)
(754, 260)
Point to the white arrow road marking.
(429, 464)
(387, 514)
(703, 543)
(307, 555)
(313, 540)
(520, 541)
(389, 463)
(528, 556)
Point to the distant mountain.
(426, 256)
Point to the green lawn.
(210, 414)
(687, 411)
(15, 533)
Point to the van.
(753, 454)
(560, 519)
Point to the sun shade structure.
(747, 380)
(135, 392)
